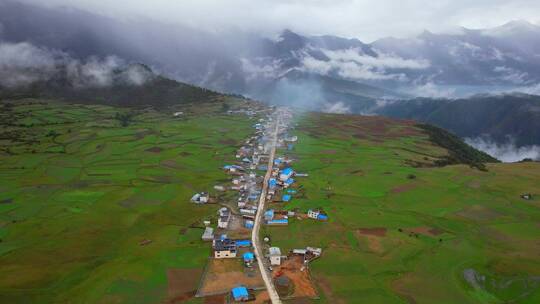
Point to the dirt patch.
(182, 284)
(227, 142)
(217, 299)
(403, 188)
(378, 231)
(429, 231)
(374, 244)
(224, 274)
(479, 213)
(154, 150)
(328, 292)
(184, 154)
(298, 276)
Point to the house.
(288, 182)
(224, 218)
(317, 215)
(249, 224)
(243, 243)
(313, 213)
(274, 253)
(224, 248)
(526, 196)
(279, 222)
(269, 215)
(272, 183)
(208, 234)
(200, 198)
(286, 198)
(244, 211)
(285, 174)
(249, 258)
(240, 294)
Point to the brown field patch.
(324, 284)
(293, 268)
(429, 231)
(154, 150)
(377, 231)
(224, 274)
(182, 284)
(403, 188)
(479, 213)
(228, 142)
(217, 299)
(328, 152)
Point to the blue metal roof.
(280, 221)
(249, 256)
(240, 292)
(286, 198)
(287, 171)
(243, 243)
(289, 181)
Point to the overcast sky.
(363, 19)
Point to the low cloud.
(354, 65)
(431, 90)
(506, 152)
(511, 75)
(22, 64)
(336, 108)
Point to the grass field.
(79, 192)
(403, 231)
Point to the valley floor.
(94, 208)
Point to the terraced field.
(94, 208)
(402, 230)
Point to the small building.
(526, 196)
(274, 253)
(200, 198)
(245, 211)
(224, 218)
(224, 248)
(240, 294)
(285, 174)
(278, 222)
(249, 224)
(286, 197)
(269, 215)
(272, 183)
(208, 234)
(249, 258)
(313, 213)
(243, 243)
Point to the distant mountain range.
(325, 73)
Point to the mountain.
(149, 90)
(514, 117)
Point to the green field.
(79, 192)
(404, 231)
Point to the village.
(241, 268)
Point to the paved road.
(267, 277)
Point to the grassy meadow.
(81, 188)
(404, 231)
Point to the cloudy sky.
(363, 19)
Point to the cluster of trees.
(459, 152)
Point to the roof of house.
(286, 198)
(240, 292)
(243, 243)
(225, 244)
(249, 256)
(287, 171)
(274, 251)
